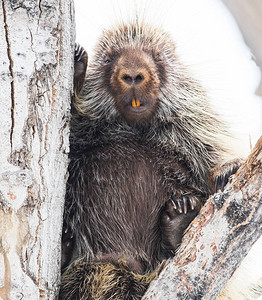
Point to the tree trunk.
(217, 240)
(36, 71)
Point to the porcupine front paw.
(80, 62)
(224, 173)
(176, 216)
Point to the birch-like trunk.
(36, 71)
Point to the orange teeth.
(135, 102)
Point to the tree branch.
(217, 240)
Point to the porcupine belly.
(120, 205)
(118, 212)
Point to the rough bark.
(36, 71)
(248, 15)
(217, 240)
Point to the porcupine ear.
(80, 64)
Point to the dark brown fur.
(104, 280)
(138, 175)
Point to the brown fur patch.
(103, 281)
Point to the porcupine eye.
(107, 61)
(160, 61)
(158, 57)
(109, 58)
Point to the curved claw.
(179, 207)
(174, 204)
(192, 203)
(185, 205)
(79, 52)
(77, 48)
(216, 183)
(231, 171)
(222, 180)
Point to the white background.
(207, 39)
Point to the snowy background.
(208, 41)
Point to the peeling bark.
(36, 71)
(217, 240)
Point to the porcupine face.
(133, 66)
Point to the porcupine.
(146, 151)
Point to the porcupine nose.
(134, 78)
